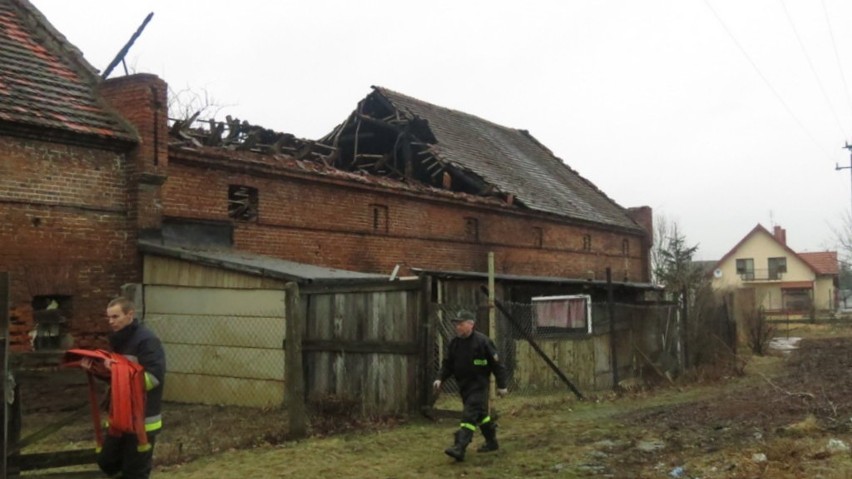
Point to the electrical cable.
(813, 70)
(837, 56)
(766, 80)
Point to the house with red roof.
(781, 281)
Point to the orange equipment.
(127, 392)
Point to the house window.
(380, 218)
(587, 242)
(242, 203)
(471, 229)
(797, 300)
(745, 268)
(538, 237)
(625, 247)
(777, 267)
(571, 313)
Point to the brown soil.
(789, 418)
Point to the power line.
(837, 56)
(811, 66)
(766, 80)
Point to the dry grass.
(776, 421)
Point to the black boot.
(463, 437)
(489, 431)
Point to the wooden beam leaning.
(526, 335)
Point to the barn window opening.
(471, 229)
(587, 242)
(51, 314)
(380, 218)
(242, 203)
(625, 247)
(538, 237)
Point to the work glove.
(502, 392)
(436, 386)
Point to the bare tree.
(189, 104)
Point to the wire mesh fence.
(557, 347)
(223, 359)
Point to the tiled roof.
(513, 161)
(45, 82)
(823, 262)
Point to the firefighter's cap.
(463, 316)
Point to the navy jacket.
(471, 361)
(141, 345)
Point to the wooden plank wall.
(363, 346)
(587, 360)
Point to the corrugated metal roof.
(535, 279)
(45, 82)
(256, 264)
(513, 161)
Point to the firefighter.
(471, 358)
(124, 454)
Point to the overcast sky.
(718, 114)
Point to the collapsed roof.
(394, 135)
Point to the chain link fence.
(646, 342)
(228, 359)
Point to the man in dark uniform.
(123, 454)
(471, 358)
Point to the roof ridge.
(56, 41)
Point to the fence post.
(610, 307)
(294, 379)
(492, 321)
(427, 358)
(685, 331)
(4, 358)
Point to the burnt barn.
(401, 205)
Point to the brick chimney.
(780, 235)
(644, 217)
(142, 99)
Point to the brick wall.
(331, 222)
(142, 100)
(64, 228)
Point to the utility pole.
(837, 166)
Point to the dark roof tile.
(513, 161)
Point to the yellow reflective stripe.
(143, 447)
(153, 426)
(480, 362)
(98, 450)
(487, 419)
(468, 425)
(150, 381)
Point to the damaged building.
(99, 189)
